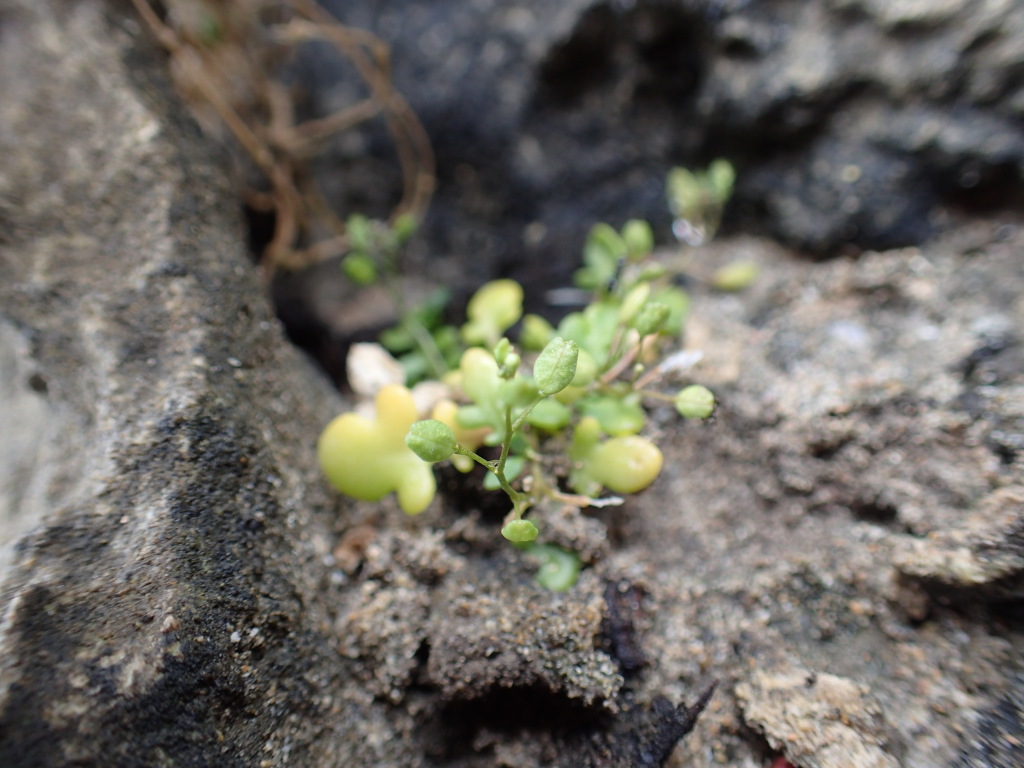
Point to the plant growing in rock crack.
(556, 418)
(227, 58)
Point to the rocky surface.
(840, 547)
(162, 594)
(818, 720)
(173, 589)
(862, 450)
(854, 123)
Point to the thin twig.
(277, 145)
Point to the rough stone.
(179, 587)
(854, 123)
(984, 552)
(853, 446)
(994, 738)
(163, 596)
(490, 634)
(816, 720)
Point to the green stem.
(488, 465)
(506, 443)
(514, 426)
(656, 395)
(407, 319)
(649, 377)
(427, 346)
(520, 501)
(497, 468)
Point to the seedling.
(556, 418)
(697, 200)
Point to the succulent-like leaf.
(651, 318)
(638, 237)
(695, 402)
(368, 458)
(431, 440)
(536, 333)
(492, 310)
(559, 568)
(556, 366)
(549, 415)
(520, 531)
(735, 276)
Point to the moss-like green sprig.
(566, 408)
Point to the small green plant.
(424, 345)
(697, 200)
(558, 417)
(368, 458)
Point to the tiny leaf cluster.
(557, 416)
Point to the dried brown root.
(229, 84)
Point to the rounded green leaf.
(678, 303)
(549, 415)
(518, 392)
(585, 437)
(471, 417)
(684, 192)
(405, 227)
(651, 318)
(594, 329)
(624, 464)
(603, 246)
(496, 306)
(722, 176)
(397, 339)
(650, 271)
(360, 232)
(359, 268)
(513, 468)
(638, 237)
(634, 301)
(520, 531)
(556, 366)
(479, 374)
(735, 276)
(415, 490)
(536, 333)
(431, 440)
(559, 568)
(586, 369)
(367, 458)
(616, 415)
(510, 366)
(695, 402)
(601, 253)
(502, 350)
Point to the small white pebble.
(370, 368)
(681, 361)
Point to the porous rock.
(816, 720)
(171, 592)
(983, 556)
(163, 597)
(490, 634)
(854, 123)
(176, 586)
(994, 737)
(862, 451)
